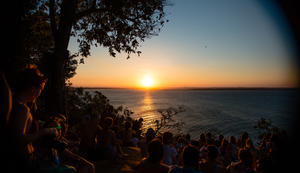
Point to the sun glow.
(147, 81)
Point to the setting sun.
(147, 81)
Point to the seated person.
(190, 161)
(208, 137)
(126, 134)
(89, 133)
(233, 148)
(134, 139)
(71, 145)
(196, 144)
(242, 141)
(188, 139)
(170, 154)
(150, 135)
(225, 152)
(109, 113)
(152, 163)
(219, 141)
(22, 130)
(246, 163)
(57, 152)
(180, 145)
(211, 164)
(106, 142)
(69, 135)
(203, 153)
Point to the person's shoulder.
(175, 169)
(19, 109)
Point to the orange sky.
(230, 46)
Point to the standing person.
(126, 134)
(136, 126)
(29, 84)
(109, 113)
(89, 133)
(153, 162)
(190, 160)
(87, 116)
(170, 154)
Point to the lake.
(231, 112)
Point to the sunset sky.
(206, 43)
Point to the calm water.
(230, 111)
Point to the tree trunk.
(56, 97)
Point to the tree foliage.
(265, 127)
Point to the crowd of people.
(49, 146)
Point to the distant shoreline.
(211, 88)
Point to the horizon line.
(194, 88)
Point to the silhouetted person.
(211, 164)
(126, 134)
(109, 114)
(246, 163)
(6, 106)
(153, 162)
(106, 142)
(136, 126)
(87, 116)
(190, 161)
(219, 141)
(29, 84)
(89, 133)
(208, 137)
(150, 135)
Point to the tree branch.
(93, 9)
(52, 17)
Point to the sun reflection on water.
(148, 112)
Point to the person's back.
(147, 167)
(127, 134)
(89, 132)
(210, 164)
(105, 138)
(240, 168)
(152, 163)
(245, 164)
(109, 113)
(190, 160)
(106, 141)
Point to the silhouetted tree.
(118, 25)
